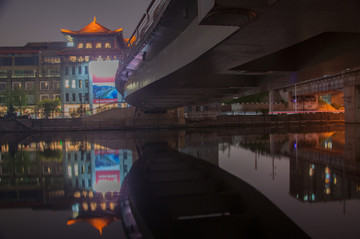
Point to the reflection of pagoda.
(93, 43)
(96, 209)
(94, 175)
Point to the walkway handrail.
(150, 16)
(344, 72)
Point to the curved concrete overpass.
(186, 52)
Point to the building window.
(51, 60)
(107, 45)
(66, 70)
(26, 61)
(80, 45)
(5, 73)
(24, 73)
(79, 70)
(73, 84)
(80, 97)
(67, 84)
(44, 85)
(72, 58)
(80, 59)
(86, 96)
(98, 45)
(16, 85)
(56, 96)
(80, 83)
(43, 97)
(86, 83)
(73, 70)
(86, 70)
(56, 85)
(73, 97)
(88, 45)
(67, 97)
(5, 61)
(29, 85)
(2, 86)
(87, 58)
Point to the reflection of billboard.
(107, 171)
(103, 79)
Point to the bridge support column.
(271, 100)
(352, 142)
(352, 98)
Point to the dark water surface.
(67, 185)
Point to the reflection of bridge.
(187, 52)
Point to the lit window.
(88, 45)
(98, 45)
(44, 85)
(76, 170)
(73, 84)
(80, 83)
(80, 59)
(87, 58)
(29, 85)
(69, 171)
(72, 58)
(16, 85)
(67, 84)
(107, 45)
(80, 45)
(70, 44)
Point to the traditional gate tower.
(89, 64)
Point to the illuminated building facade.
(89, 64)
(34, 68)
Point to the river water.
(67, 184)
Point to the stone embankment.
(131, 118)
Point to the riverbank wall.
(129, 119)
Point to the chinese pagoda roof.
(94, 28)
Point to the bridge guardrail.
(151, 16)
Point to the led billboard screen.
(107, 171)
(102, 74)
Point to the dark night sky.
(23, 21)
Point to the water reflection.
(68, 173)
(311, 174)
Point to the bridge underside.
(287, 42)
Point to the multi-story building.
(34, 68)
(88, 68)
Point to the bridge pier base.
(168, 118)
(352, 98)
